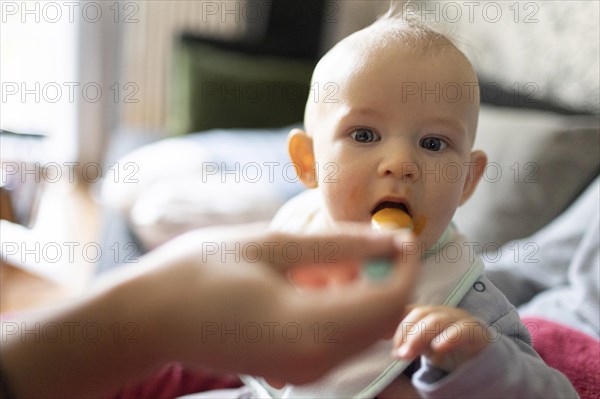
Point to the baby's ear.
(300, 147)
(474, 173)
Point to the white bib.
(448, 273)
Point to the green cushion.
(218, 88)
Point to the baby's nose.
(399, 163)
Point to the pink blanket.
(575, 354)
(174, 380)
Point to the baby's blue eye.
(363, 136)
(433, 144)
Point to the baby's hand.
(446, 336)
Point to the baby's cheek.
(342, 201)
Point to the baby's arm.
(462, 357)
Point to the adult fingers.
(352, 245)
(362, 312)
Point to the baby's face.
(399, 135)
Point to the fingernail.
(401, 352)
(401, 237)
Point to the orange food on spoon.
(391, 219)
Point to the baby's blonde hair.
(399, 26)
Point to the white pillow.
(174, 206)
(219, 177)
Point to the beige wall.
(148, 45)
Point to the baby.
(391, 124)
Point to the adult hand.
(244, 310)
(219, 298)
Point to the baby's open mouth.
(390, 204)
